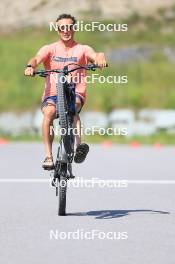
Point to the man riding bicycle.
(56, 56)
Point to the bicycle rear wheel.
(62, 190)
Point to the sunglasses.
(63, 28)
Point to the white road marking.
(37, 180)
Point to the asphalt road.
(140, 215)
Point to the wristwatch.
(29, 66)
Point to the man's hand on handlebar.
(29, 71)
(100, 60)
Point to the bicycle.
(65, 111)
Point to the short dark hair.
(67, 16)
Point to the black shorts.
(53, 100)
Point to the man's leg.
(82, 149)
(49, 112)
(77, 122)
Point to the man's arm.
(96, 57)
(40, 57)
(32, 65)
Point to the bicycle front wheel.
(64, 118)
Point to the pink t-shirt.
(55, 56)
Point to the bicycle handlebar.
(44, 73)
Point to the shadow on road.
(108, 214)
